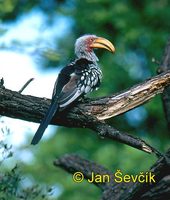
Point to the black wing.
(72, 82)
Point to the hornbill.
(76, 79)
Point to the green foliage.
(9, 184)
(139, 31)
(11, 180)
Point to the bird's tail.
(48, 117)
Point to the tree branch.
(108, 107)
(25, 85)
(116, 191)
(74, 163)
(30, 108)
(160, 169)
(107, 131)
(87, 114)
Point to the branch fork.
(16, 105)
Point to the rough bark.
(30, 108)
(88, 114)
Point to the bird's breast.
(90, 79)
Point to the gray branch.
(88, 114)
(30, 108)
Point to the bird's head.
(85, 44)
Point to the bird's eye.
(90, 40)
